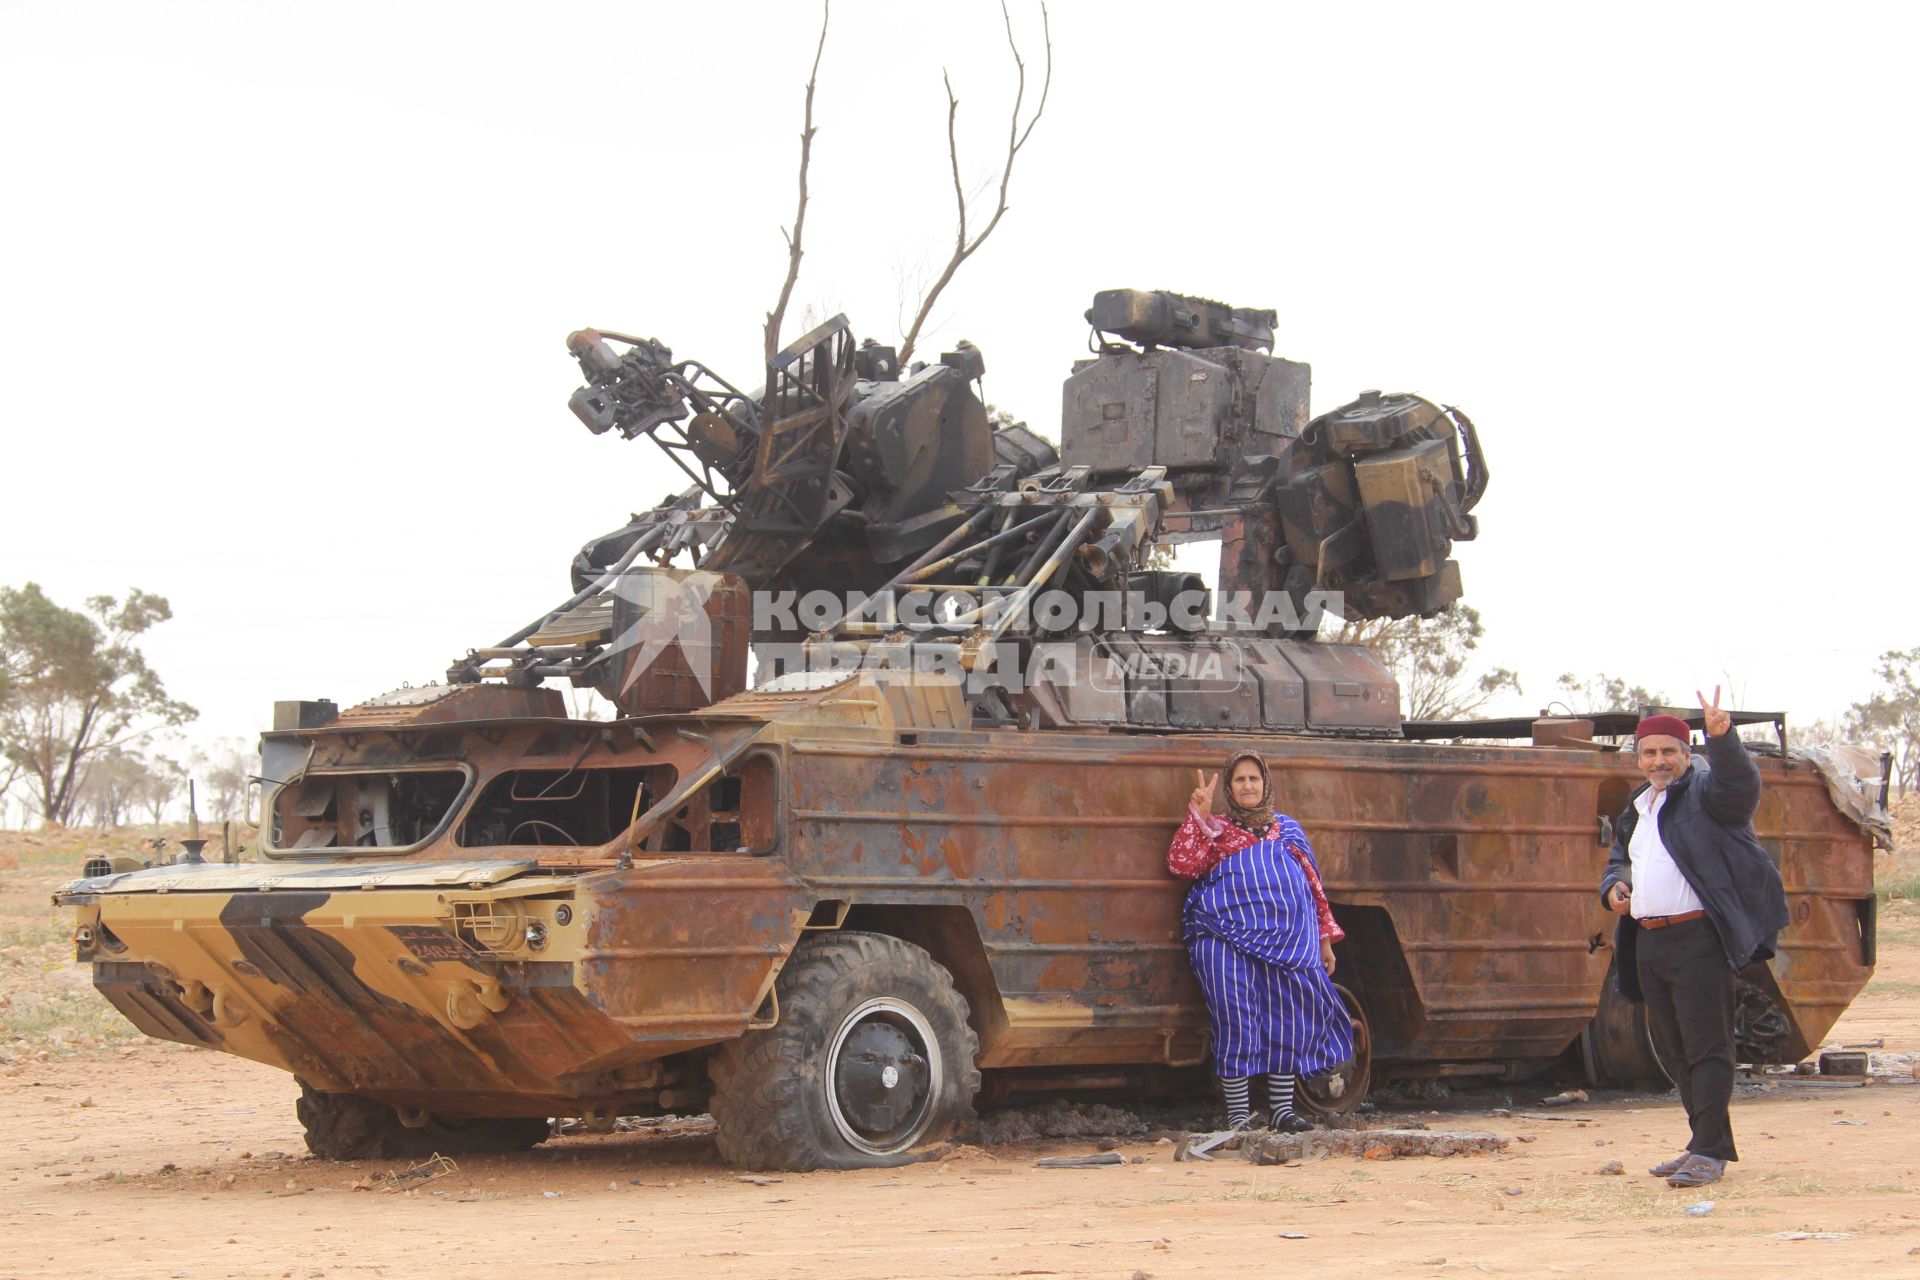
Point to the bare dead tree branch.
(779, 313)
(963, 248)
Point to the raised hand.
(1203, 795)
(1717, 721)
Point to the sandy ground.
(131, 1158)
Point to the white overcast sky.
(286, 288)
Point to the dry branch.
(963, 248)
(779, 313)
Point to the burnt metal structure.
(842, 904)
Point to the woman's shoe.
(1291, 1122)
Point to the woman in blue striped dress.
(1260, 934)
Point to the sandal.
(1696, 1171)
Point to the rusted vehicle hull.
(464, 980)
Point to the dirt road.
(129, 1158)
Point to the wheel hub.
(882, 1076)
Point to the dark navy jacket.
(1707, 825)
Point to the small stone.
(1524, 1137)
(551, 1195)
(1510, 1191)
(1107, 1144)
(1612, 1167)
(1437, 1260)
(1376, 1153)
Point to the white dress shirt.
(1658, 887)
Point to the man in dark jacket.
(1698, 898)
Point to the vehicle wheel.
(1338, 1092)
(871, 1057)
(1762, 1031)
(345, 1126)
(1615, 1047)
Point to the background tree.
(1889, 720)
(966, 242)
(1606, 693)
(1430, 658)
(78, 685)
(159, 782)
(107, 793)
(223, 772)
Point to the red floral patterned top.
(1204, 841)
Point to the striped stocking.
(1238, 1110)
(1280, 1095)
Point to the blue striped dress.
(1254, 937)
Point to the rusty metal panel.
(447, 704)
(1345, 686)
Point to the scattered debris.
(1700, 1209)
(1817, 1235)
(1080, 1162)
(434, 1167)
(1199, 1146)
(1295, 1235)
(1277, 1148)
(1567, 1099)
(1612, 1167)
(1052, 1120)
(1849, 1121)
(757, 1179)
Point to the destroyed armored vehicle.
(917, 864)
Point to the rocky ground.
(133, 1158)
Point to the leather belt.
(1661, 922)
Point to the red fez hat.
(1672, 726)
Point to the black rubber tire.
(1616, 1049)
(345, 1126)
(848, 1001)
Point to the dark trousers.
(1689, 988)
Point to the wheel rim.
(883, 1073)
(1316, 1092)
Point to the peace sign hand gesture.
(1717, 721)
(1203, 795)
